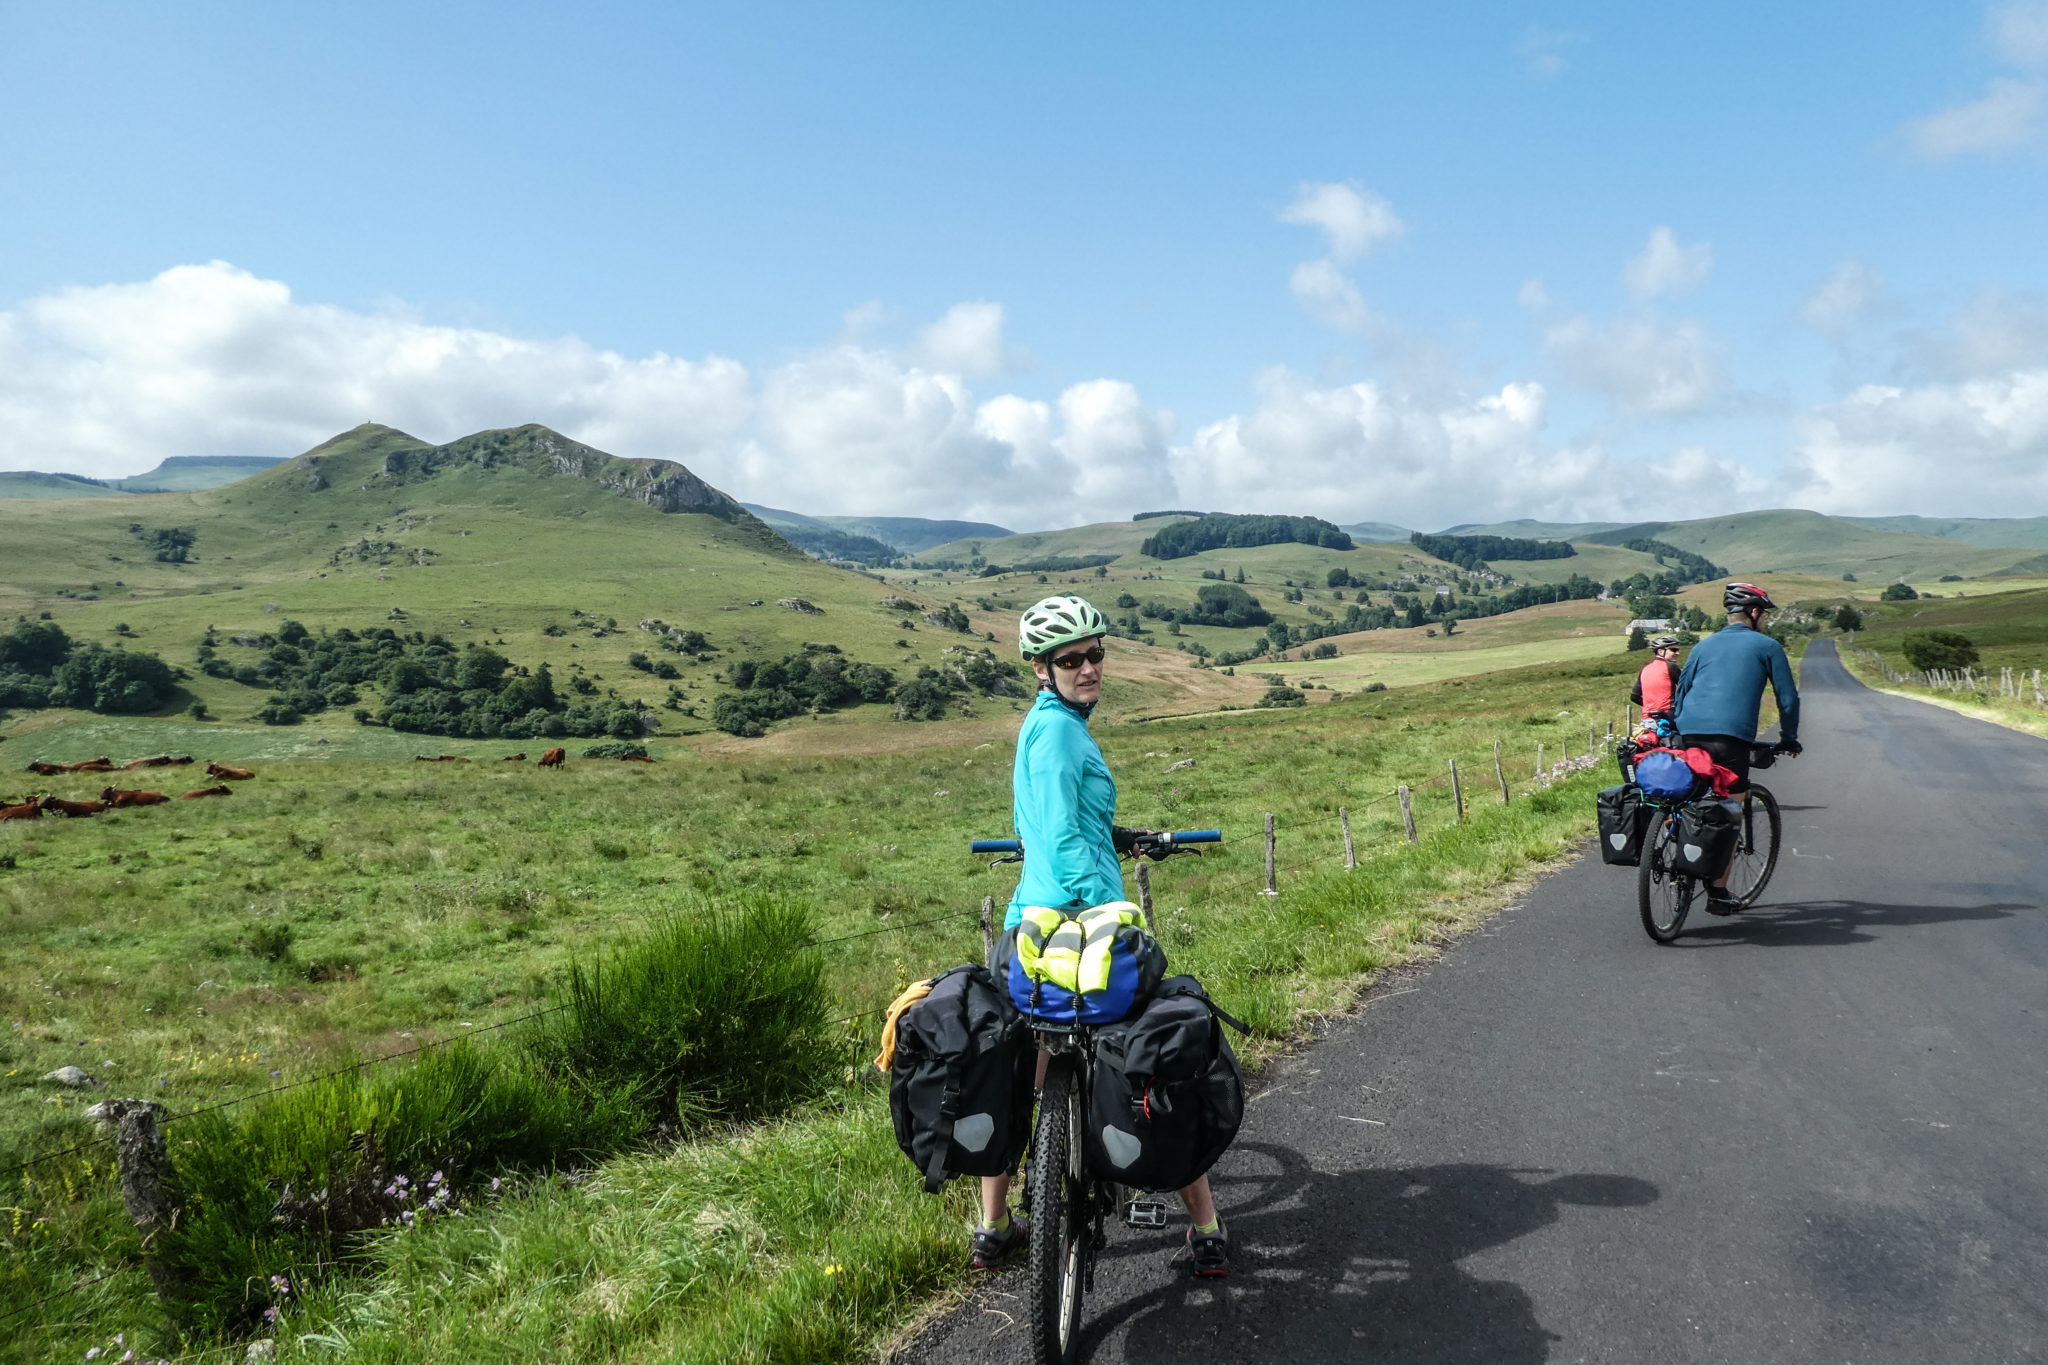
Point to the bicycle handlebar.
(1174, 839)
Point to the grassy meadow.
(345, 907)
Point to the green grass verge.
(424, 900)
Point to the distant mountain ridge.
(175, 474)
(911, 535)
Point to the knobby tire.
(1058, 1236)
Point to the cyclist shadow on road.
(1361, 1265)
(1830, 923)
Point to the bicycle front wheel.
(1756, 855)
(1058, 1239)
(1662, 895)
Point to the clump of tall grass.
(713, 1013)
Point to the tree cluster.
(167, 544)
(428, 685)
(1227, 531)
(40, 665)
(1698, 568)
(1931, 649)
(1472, 552)
(1050, 564)
(842, 546)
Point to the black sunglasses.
(1070, 662)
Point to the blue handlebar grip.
(996, 846)
(1196, 836)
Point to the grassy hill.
(2012, 533)
(1790, 541)
(27, 483)
(190, 473)
(548, 550)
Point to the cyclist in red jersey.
(1658, 681)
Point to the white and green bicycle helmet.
(1056, 621)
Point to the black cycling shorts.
(1728, 751)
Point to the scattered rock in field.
(898, 604)
(1176, 767)
(73, 1077)
(798, 604)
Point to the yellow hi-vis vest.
(1091, 966)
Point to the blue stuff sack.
(1664, 776)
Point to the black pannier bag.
(1707, 834)
(1168, 1095)
(1623, 819)
(959, 1086)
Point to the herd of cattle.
(118, 798)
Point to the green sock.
(1208, 1229)
(1001, 1224)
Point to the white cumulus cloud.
(968, 340)
(1542, 50)
(1844, 300)
(1327, 294)
(1354, 219)
(210, 360)
(1667, 267)
(1878, 450)
(1643, 364)
(2020, 33)
(2006, 116)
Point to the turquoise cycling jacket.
(1722, 688)
(1063, 803)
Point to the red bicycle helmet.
(1743, 596)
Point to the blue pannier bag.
(1664, 776)
(1075, 967)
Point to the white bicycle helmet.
(1056, 621)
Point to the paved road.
(1818, 1132)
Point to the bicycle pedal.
(1145, 1213)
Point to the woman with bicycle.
(1064, 803)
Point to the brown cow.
(26, 811)
(231, 774)
(515, 758)
(71, 810)
(553, 758)
(438, 758)
(91, 765)
(181, 760)
(117, 798)
(208, 791)
(42, 769)
(160, 761)
(635, 758)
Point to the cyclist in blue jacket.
(1064, 804)
(1721, 693)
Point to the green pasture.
(1405, 668)
(336, 908)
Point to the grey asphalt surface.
(1815, 1132)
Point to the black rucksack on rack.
(1168, 1095)
(1624, 817)
(959, 1086)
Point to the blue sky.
(1370, 260)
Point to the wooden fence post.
(1407, 814)
(1457, 792)
(1145, 894)
(1500, 773)
(1539, 763)
(1350, 855)
(1272, 886)
(988, 925)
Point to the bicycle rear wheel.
(1756, 856)
(1058, 1239)
(1662, 895)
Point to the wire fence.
(1350, 857)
